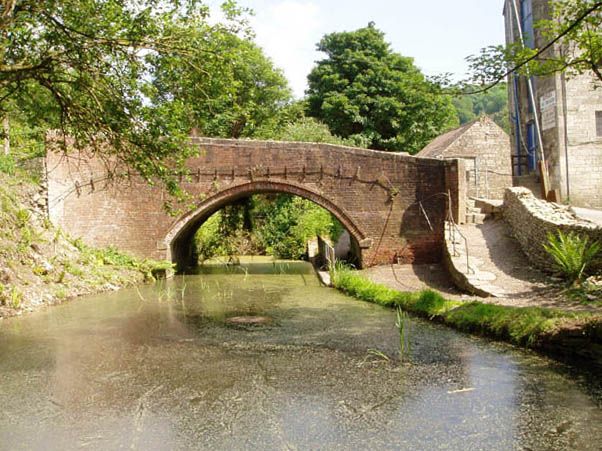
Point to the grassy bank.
(539, 328)
(40, 265)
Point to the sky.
(438, 34)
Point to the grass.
(38, 256)
(90, 256)
(523, 326)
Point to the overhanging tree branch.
(596, 6)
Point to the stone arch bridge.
(393, 205)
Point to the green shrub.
(572, 253)
(7, 164)
(278, 225)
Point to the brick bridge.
(392, 204)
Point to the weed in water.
(402, 323)
(381, 355)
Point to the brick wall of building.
(381, 198)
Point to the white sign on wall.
(547, 105)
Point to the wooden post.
(545, 180)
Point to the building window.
(526, 19)
(599, 124)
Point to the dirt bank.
(41, 266)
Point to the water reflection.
(162, 368)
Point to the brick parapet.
(389, 202)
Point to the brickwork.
(374, 194)
(531, 220)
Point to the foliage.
(571, 253)
(289, 222)
(278, 225)
(578, 52)
(223, 234)
(80, 66)
(519, 325)
(308, 129)
(367, 93)
(7, 164)
(228, 88)
(493, 103)
(111, 256)
(10, 296)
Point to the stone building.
(485, 149)
(557, 118)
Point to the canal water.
(260, 356)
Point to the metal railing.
(452, 230)
(518, 163)
(326, 252)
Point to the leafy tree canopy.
(230, 89)
(81, 66)
(366, 92)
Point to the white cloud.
(288, 31)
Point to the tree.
(81, 65)
(574, 45)
(493, 103)
(230, 89)
(364, 91)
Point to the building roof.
(437, 147)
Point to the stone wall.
(383, 199)
(584, 147)
(531, 220)
(486, 150)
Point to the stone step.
(476, 218)
(491, 207)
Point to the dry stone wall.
(532, 219)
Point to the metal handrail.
(326, 251)
(453, 228)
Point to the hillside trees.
(493, 102)
(366, 92)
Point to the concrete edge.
(459, 277)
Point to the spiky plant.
(572, 253)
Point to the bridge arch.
(179, 236)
